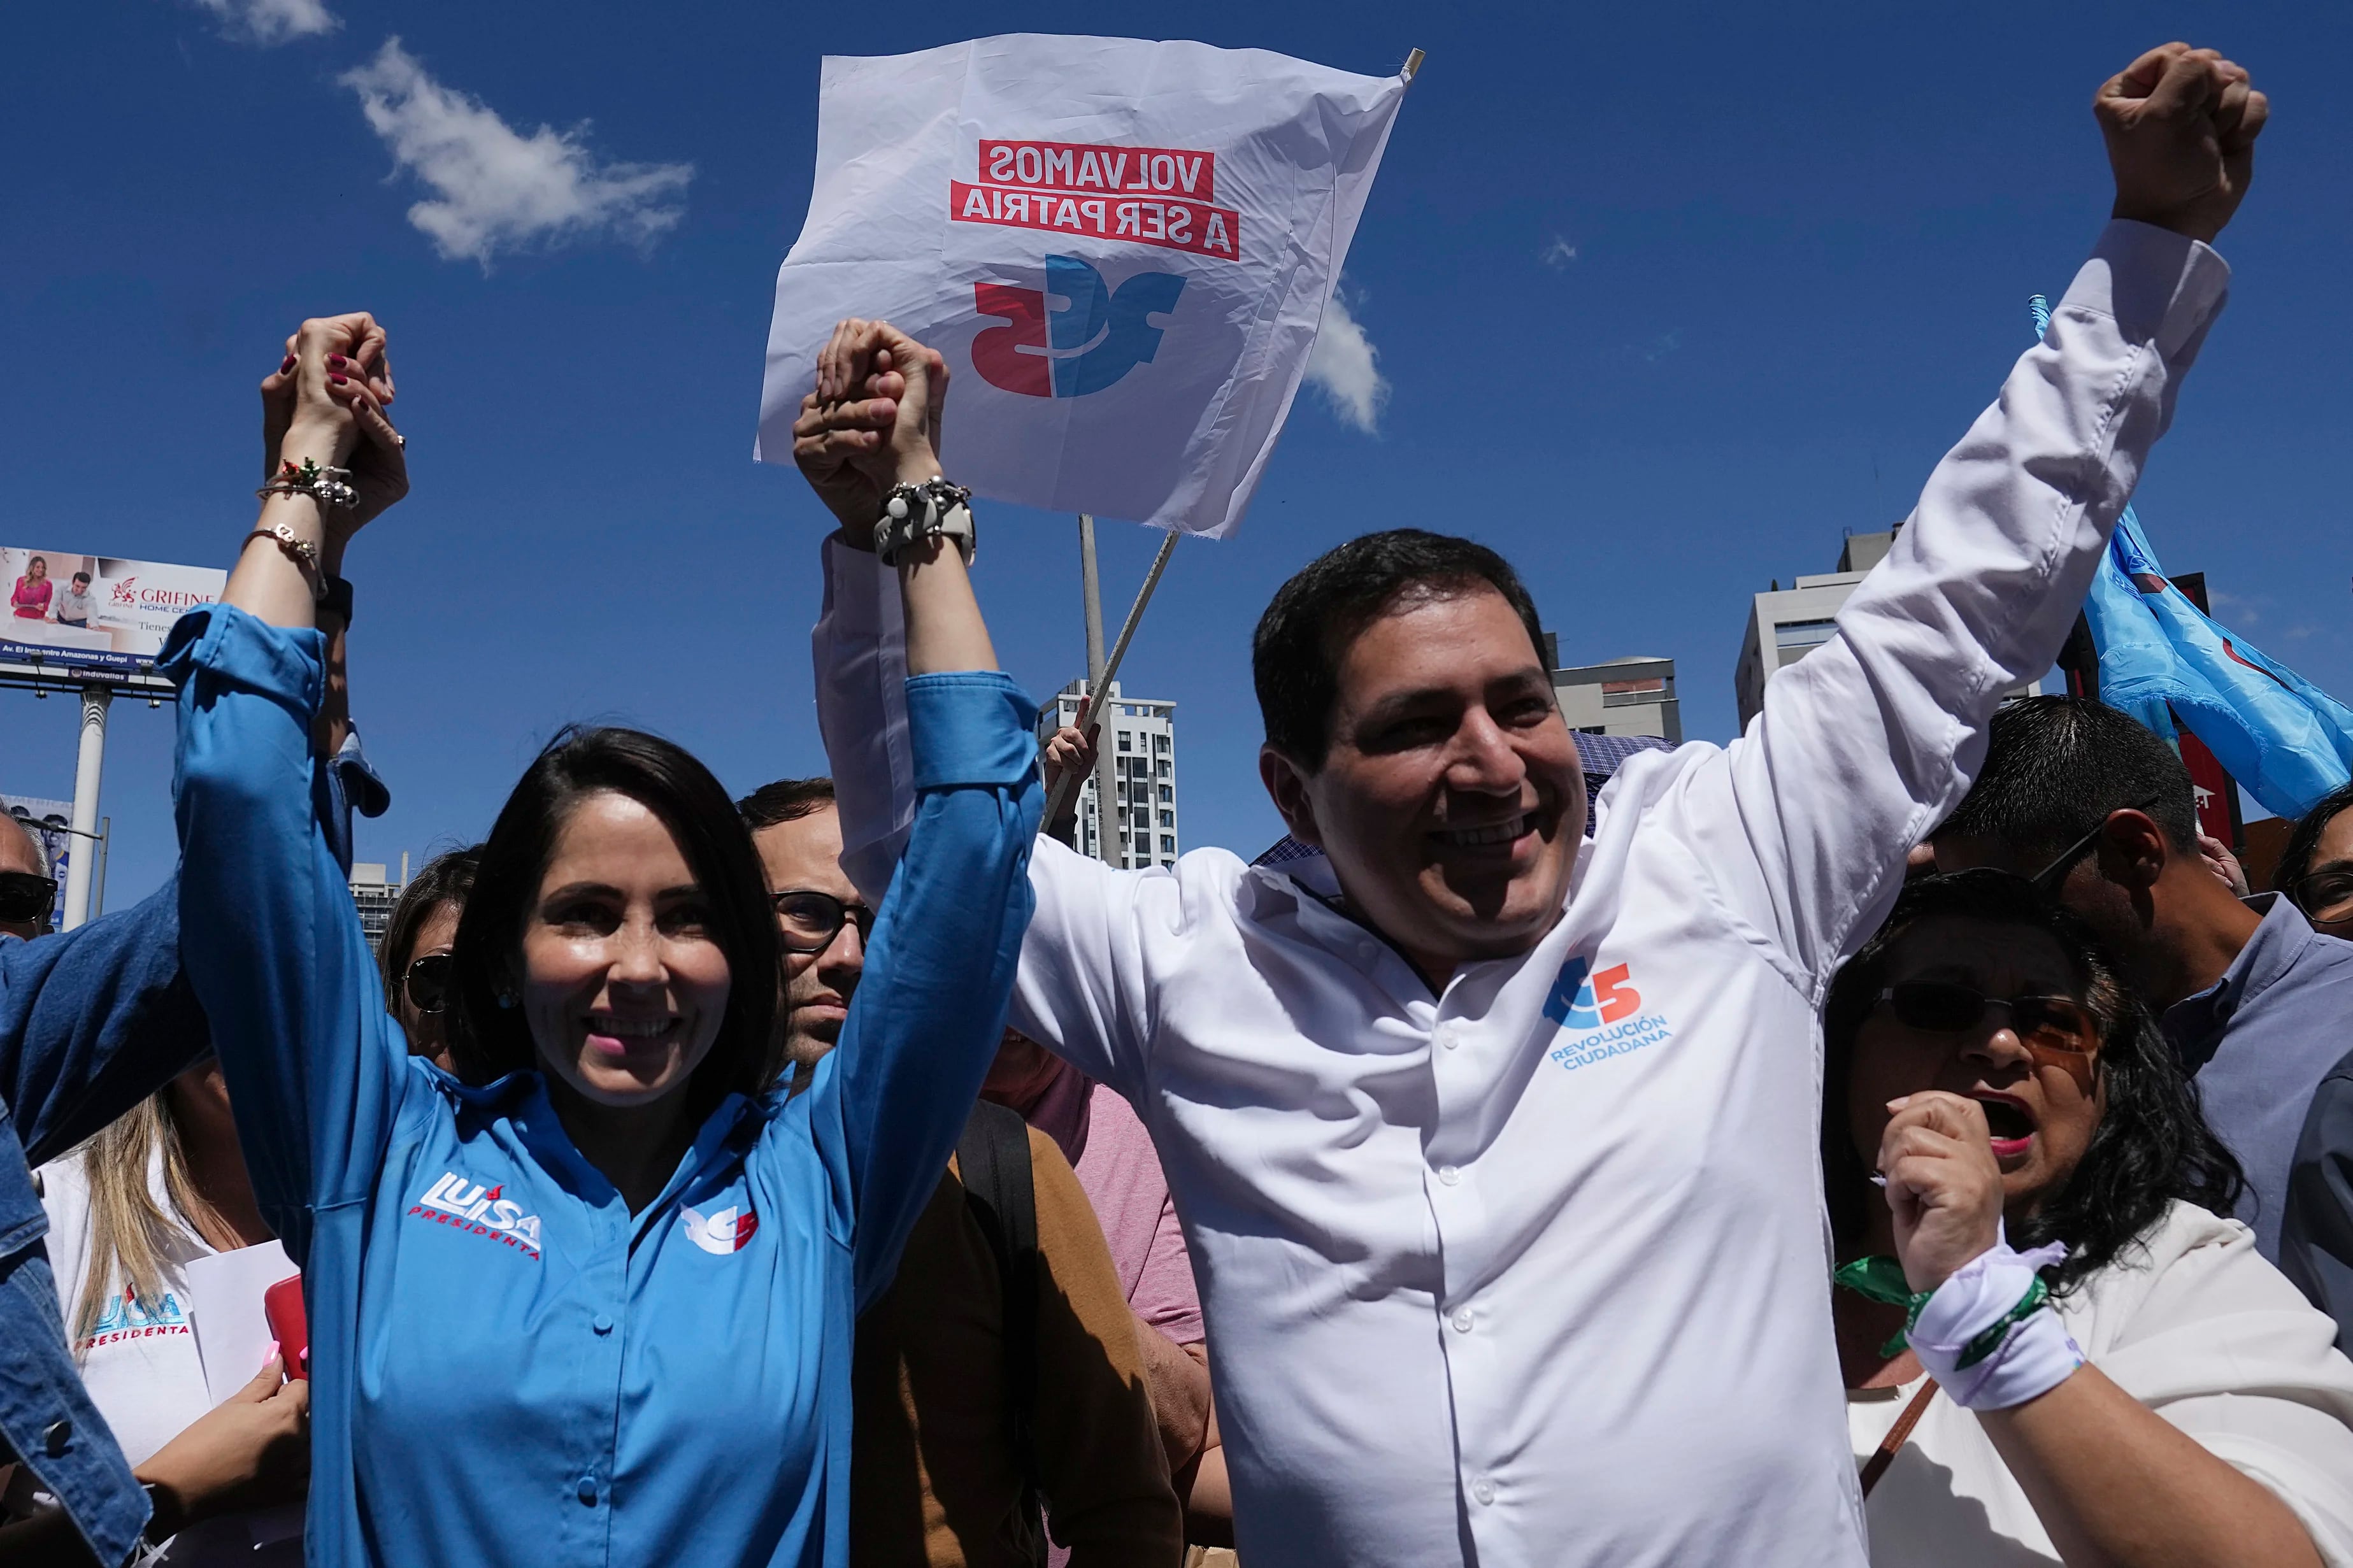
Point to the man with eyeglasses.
(962, 1417)
(2097, 810)
(26, 888)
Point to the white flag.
(1123, 249)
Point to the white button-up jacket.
(1533, 1272)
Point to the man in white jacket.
(1494, 1146)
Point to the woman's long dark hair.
(446, 878)
(486, 958)
(2152, 1144)
(2304, 840)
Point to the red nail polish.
(287, 364)
(335, 359)
(337, 380)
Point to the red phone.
(282, 1305)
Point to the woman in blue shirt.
(593, 1303)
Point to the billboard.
(95, 613)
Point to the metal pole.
(1108, 815)
(97, 885)
(88, 766)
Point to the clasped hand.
(326, 401)
(872, 423)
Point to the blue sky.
(1663, 299)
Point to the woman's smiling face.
(624, 986)
(2042, 1105)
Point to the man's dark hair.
(447, 879)
(2152, 1144)
(786, 800)
(81, 576)
(2303, 842)
(2056, 766)
(491, 1040)
(1295, 655)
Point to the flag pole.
(1101, 673)
(1104, 792)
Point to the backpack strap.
(993, 1159)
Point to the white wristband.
(2036, 1355)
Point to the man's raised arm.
(1871, 740)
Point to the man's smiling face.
(1451, 803)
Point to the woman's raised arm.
(268, 932)
(939, 967)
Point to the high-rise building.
(1785, 625)
(1633, 695)
(1139, 735)
(375, 894)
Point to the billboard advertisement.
(95, 613)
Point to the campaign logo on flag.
(1085, 346)
(1123, 250)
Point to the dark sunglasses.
(2325, 895)
(2047, 879)
(2042, 1023)
(809, 920)
(25, 897)
(427, 983)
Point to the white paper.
(232, 1332)
(1121, 248)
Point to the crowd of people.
(1884, 1139)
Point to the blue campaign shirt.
(2258, 1042)
(506, 1365)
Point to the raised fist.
(2180, 124)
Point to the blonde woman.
(128, 1212)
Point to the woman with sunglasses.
(2055, 1348)
(2316, 867)
(590, 1301)
(416, 952)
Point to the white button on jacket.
(1630, 1109)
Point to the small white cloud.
(496, 189)
(266, 22)
(1557, 255)
(2237, 606)
(1345, 367)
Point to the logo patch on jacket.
(1600, 1015)
(723, 1232)
(478, 1210)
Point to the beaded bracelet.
(328, 487)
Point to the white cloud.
(1345, 367)
(1557, 255)
(496, 189)
(266, 22)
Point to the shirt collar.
(2197, 1023)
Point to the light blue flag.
(2161, 657)
(2285, 739)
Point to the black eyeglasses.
(25, 897)
(2047, 879)
(809, 920)
(2041, 1023)
(427, 983)
(2325, 895)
